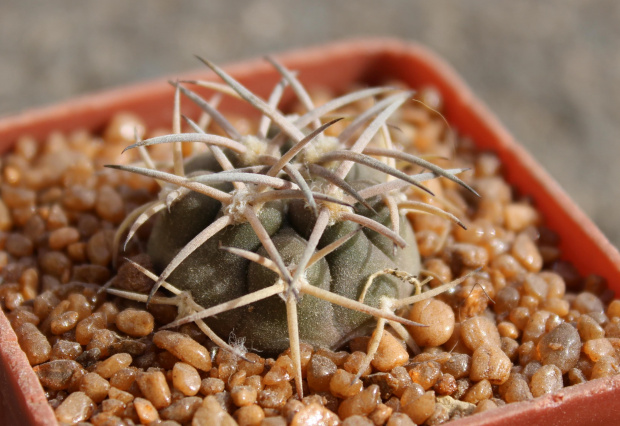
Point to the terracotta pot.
(337, 66)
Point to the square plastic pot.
(338, 66)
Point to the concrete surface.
(550, 70)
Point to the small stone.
(526, 252)
(320, 371)
(560, 347)
(185, 348)
(420, 408)
(154, 387)
(145, 410)
(186, 379)
(438, 316)
(135, 323)
(390, 353)
(109, 205)
(243, 395)
(210, 413)
(57, 375)
(546, 379)
(77, 407)
(515, 389)
(95, 386)
(33, 343)
(361, 404)
(113, 364)
(490, 363)
(181, 411)
(342, 386)
(479, 331)
(62, 237)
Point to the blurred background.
(550, 70)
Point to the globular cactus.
(282, 236)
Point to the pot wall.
(365, 61)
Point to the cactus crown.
(287, 202)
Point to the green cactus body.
(214, 276)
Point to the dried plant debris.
(310, 264)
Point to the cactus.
(288, 235)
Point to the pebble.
(361, 404)
(478, 392)
(426, 374)
(64, 322)
(281, 371)
(113, 406)
(77, 407)
(154, 387)
(526, 253)
(536, 326)
(113, 364)
(66, 349)
(103, 340)
(354, 363)
(99, 247)
(534, 285)
(18, 245)
(186, 379)
(458, 365)
(95, 386)
(485, 405)
(210, 413)
(62, 237)
(357, 420)
(420, 408)
(211, 386)
(120, 395)
(243, 395)
(56, 264)
(182, 410)
(390, 354)
(135, 323)
(547, 379)
(79, 198)
(314, 414)
(33, 343)
(6, 222)
(478, 331)
(185, 348)
(342, 386)
(438, 316)
(446, 385)
(275, 396)
(58, 374)
(109, 205)
(613, 310)
(491, 363)
(587, 302)
(515, 389)
(560, 347)
(518, 216)
(320, 372)
(400, 419)
(145, 410)
(470, 256)
(381, 414)
(605, 367)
